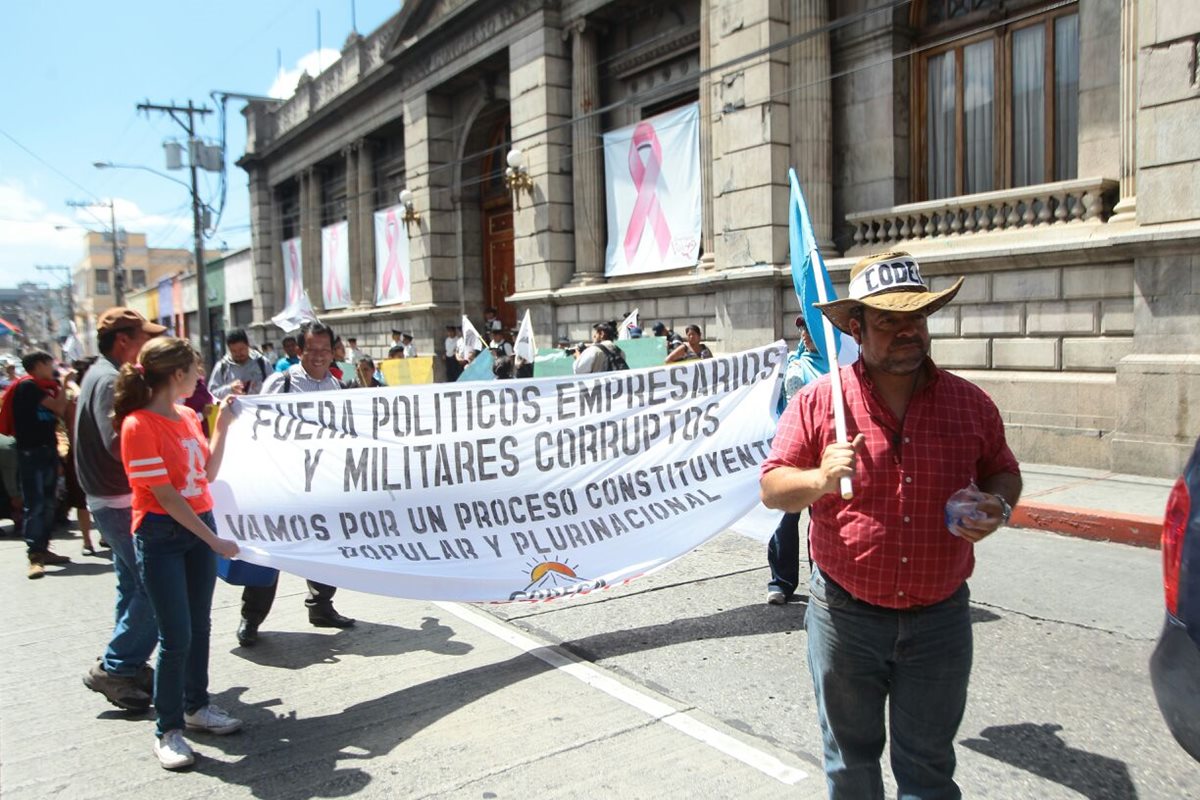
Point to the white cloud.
(31, 233)
(313, 62)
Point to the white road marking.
(681, 721)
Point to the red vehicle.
(1175, 664)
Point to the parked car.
(1175, 664)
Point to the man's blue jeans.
(38, 471)
(135, 632)
(915, 663)
(179, 571)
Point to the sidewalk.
(1093, 504)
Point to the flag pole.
(835, 376)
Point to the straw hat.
(888, 282)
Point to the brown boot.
(36, 570)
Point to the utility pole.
(177, 113)
(70, 286)
(118, 269)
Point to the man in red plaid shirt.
(888, 620)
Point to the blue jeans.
(783, 555)
(135, 633)
(179, 572)
(914, 662)
(38, 471)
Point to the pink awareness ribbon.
(333, 282)
(391, 270)
(294, 270)
(645, 179)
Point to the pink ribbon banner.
(335, 265)
(652, 174)
(391, 258)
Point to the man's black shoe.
(247, 633)
(328, 618)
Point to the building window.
(999, 108)
(138, 277)
(102, 287)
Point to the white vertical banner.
(392, 264)
(652, 183)
(293, 273)
(335, 265)
(525, 347)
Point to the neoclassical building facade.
(1041, 149)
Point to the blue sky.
(74, 73)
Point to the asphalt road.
(681, 684)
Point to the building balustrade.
(1085, 200)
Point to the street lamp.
(198, 244)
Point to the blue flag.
(807, 269)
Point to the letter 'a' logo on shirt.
(196, 470)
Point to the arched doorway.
(499, 265)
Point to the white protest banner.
(652, 183)
(293, 272)
(296, 314)
(471, 338)
(335, 265)
(391, 258)
(513, 490)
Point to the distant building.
(143, 266)
(1045, 150)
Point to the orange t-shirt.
(156, 450)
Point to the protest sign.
(513, 490)
(407, 371)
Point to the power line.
(49, 166)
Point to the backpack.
(614, 357)
(262, 365)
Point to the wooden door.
(499, 273)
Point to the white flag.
(471, 338)
(296, 314)
(525, 347)
(629, 322)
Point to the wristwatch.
(1005, 509)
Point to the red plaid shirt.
(889, 545)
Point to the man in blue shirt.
(291, 354)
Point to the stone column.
(811, 116)
(1126, 208)
(428, 145)
(587, 156)
(707, 221)
(540, 108)
(366, 223)
(266, 264)
(353, 223)
(310, 234)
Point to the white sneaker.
(776, 598)
(213, 719)
(172, 751)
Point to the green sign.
(650, 351)
(214, 284)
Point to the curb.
(1101, 526)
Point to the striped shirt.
(157, 450)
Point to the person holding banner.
(888, 621)
(310, 375)
(170, 465)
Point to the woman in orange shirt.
(170, 464)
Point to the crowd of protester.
(123, 440)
